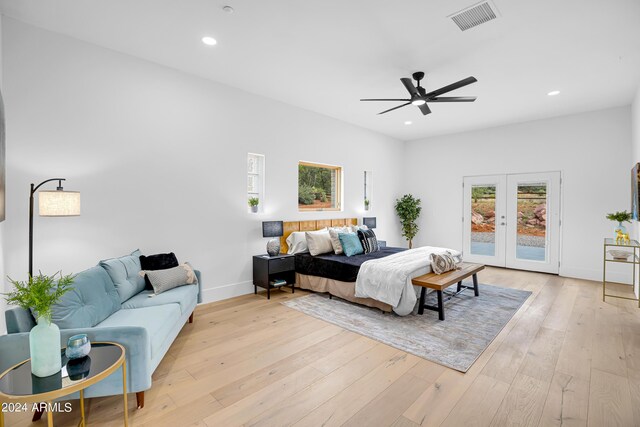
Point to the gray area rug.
(470, 324)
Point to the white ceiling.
(324, 55)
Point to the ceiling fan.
(420, 98)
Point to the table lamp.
(273, 229)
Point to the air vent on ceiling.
(475, 15)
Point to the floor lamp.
(51, 203)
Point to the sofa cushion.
(185, 296)
(124, 272)
(158, 321)
(92, 299)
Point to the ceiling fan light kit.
(420, 98)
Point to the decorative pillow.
(335, 241)
(297, 243)
(368, 240)
(355, 228)
(124, 274)
(319, 242)
(157, 262)
(350, 244)
(443, 262)
(164, 280)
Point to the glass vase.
(44, 344)
(620, 227)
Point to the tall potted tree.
(408, 209)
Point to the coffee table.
(22, 391)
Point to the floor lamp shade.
(59, 203)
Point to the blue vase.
(621, 228)
(44, 345)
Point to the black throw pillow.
(368, 240)
(157, 262)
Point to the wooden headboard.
(313, 225)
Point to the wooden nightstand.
(269, 268)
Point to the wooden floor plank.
(609, 400)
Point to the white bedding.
(388, 279)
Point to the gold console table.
(634, 254)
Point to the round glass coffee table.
(22, 391)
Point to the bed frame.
(312, 225)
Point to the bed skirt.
(344, 290)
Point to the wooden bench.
(439, 282)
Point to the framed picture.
(635, 202)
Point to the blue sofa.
(109, 303)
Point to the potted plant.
(366, 204)
(620, 217)
(254, 202)
(39, 294)
(408, 209)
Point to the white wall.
(635, 154)
(160, 159)
(589, 149)
(2, 232)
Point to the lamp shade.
(369, 222)
(59, 203)
(272, 229)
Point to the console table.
(633, 248)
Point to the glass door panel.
(483, 219)
(531, 242)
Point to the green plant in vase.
(254, 202)
(39, 294)
(620, 217)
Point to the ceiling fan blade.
(409, 85)
(395, 108)
(452, 86)
(385, 99)
(453, 99)
(425, 109)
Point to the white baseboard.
(595, 275)
(227, 291)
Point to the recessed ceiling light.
(228, 9)
(209, 41)
(554, 93)
(408, 122)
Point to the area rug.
(470, 324)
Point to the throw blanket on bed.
(389, 279)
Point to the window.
(319, 187)
(255, 182)
(368, 190)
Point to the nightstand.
(382, 243)
(267, 269)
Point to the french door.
(513, 221)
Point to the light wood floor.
(566, 358)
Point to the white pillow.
(319, 242)
(335, 241)
(297, 243)
(355, 228)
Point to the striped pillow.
(164, 280)
(368, 240)
(443, 262)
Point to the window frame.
(338, 191)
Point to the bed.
(330, 273)
(336, 274)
